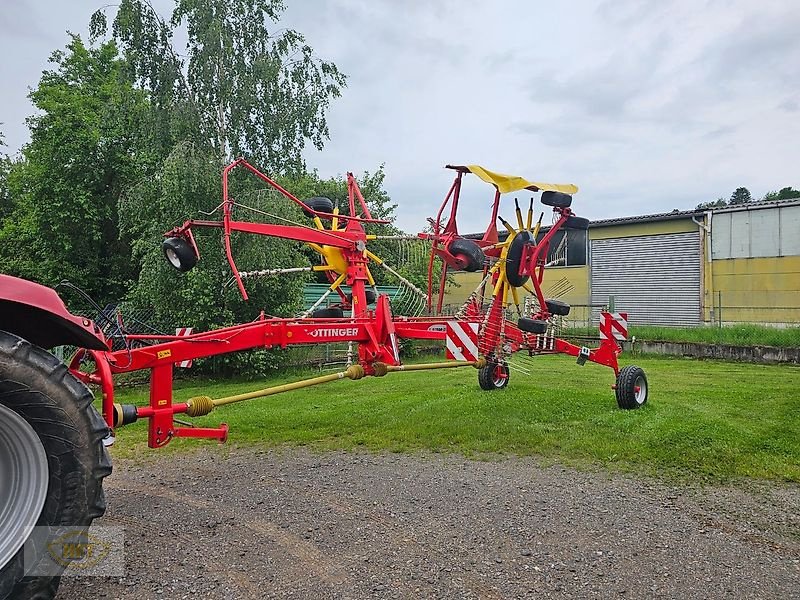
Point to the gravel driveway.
(234, 523)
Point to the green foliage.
(788, 193)
(246, 90)
(740, 195)
(63, 221)
(698, 423)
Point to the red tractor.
(52, 456)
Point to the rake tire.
(488, 377)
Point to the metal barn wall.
(654, 278)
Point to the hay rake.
(506, 315)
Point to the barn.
(738, 264)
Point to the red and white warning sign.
(613, 326)
(183, 331)
(462, 340)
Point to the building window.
(569, 253)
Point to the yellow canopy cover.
(512, 183)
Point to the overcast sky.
(645, 105)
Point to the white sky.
(645, 105)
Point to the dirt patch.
(292, 523)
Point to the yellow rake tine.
(518, 212)
(530, 216)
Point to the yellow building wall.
(637, 229)
(754, 290)
(570, 284)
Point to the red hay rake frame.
(375, 332)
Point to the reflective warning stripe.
(614, 325)
(182, 331)
(462, 340)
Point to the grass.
(734, 335)
(710, 420)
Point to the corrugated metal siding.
(655, 278)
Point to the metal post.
(719, 307)
(611, 304)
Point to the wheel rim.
(499, 376)
(640, 390)
(24, 472)
(173, 258)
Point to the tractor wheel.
(631, 387)
(494, 376)
(532, 325)
(52, 459)
(332, 312)
(179, 253)
(318, 204)
(469, 253)
(557, 307)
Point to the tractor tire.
(631, 388)
(557, 307)
(51, 438)
(332, 312)
(179, 253)
(514, 258)
(469, 252)
(318, 204)
(494, 376)
(532, 325)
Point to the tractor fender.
(38, 314)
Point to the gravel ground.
(233, 523)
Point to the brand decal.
(438, 328)
(333, 332)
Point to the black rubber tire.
(488, 379)
(574, 222)
(178, 249)
(370, 295)
(514, 258)
(331, 312)
(532, 325)
(469, 252)
(40, 388)
(557, 199)
(557, 307)
(319, 204)
(629, 378)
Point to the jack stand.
(583, 355)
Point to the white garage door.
(655, 278)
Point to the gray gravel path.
(233, 523)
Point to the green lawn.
(704, 419)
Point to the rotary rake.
(505, 315)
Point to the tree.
(82, 154)
(5, 195)
(247, 91)
(741, 195)
(788, 193)
(718, 203)
(236, 89)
